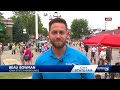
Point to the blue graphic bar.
(55, 68)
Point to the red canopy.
(105, 40)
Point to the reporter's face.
(58, 35)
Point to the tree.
(79, 28)
(13, 18)
(45, 31)
(28, 21)
(18, 35)
(21, 13)
(4, 37)
(40, 26)
(1, 16)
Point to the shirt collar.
(67, 52)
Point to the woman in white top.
(102, 56)
(93, 50)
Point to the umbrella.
(105, 40)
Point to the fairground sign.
(108, 19)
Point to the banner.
(59, 68)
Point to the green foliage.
(4, 37)
(1, 16)
(27, 21)
(18, 35)
(79, 28)
(21, 13)
(13, 18)
(40, 26)
(45, 31)
(2, 26)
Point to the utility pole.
(107, 19)
(36, 27)
(0, 53)
(105, 25)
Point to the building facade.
(114, 31)
(9, 27)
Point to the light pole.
(2, 27)
(107, 19)
(105, 25)
(56, 15)
(82, 32)
(25, 32)
(36, 22)
(36, 27)
(0, 52)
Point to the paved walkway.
(115, 55)
(8, 55)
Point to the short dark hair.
(57, 20)
(97, 76)
(27, 46)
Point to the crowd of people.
(1, 48)
(104, 55)
(24, 50)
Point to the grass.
(14, 75)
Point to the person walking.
(22, 48)
(13, 48)
(28, 56)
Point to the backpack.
(26, 57)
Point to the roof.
(116, 31)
